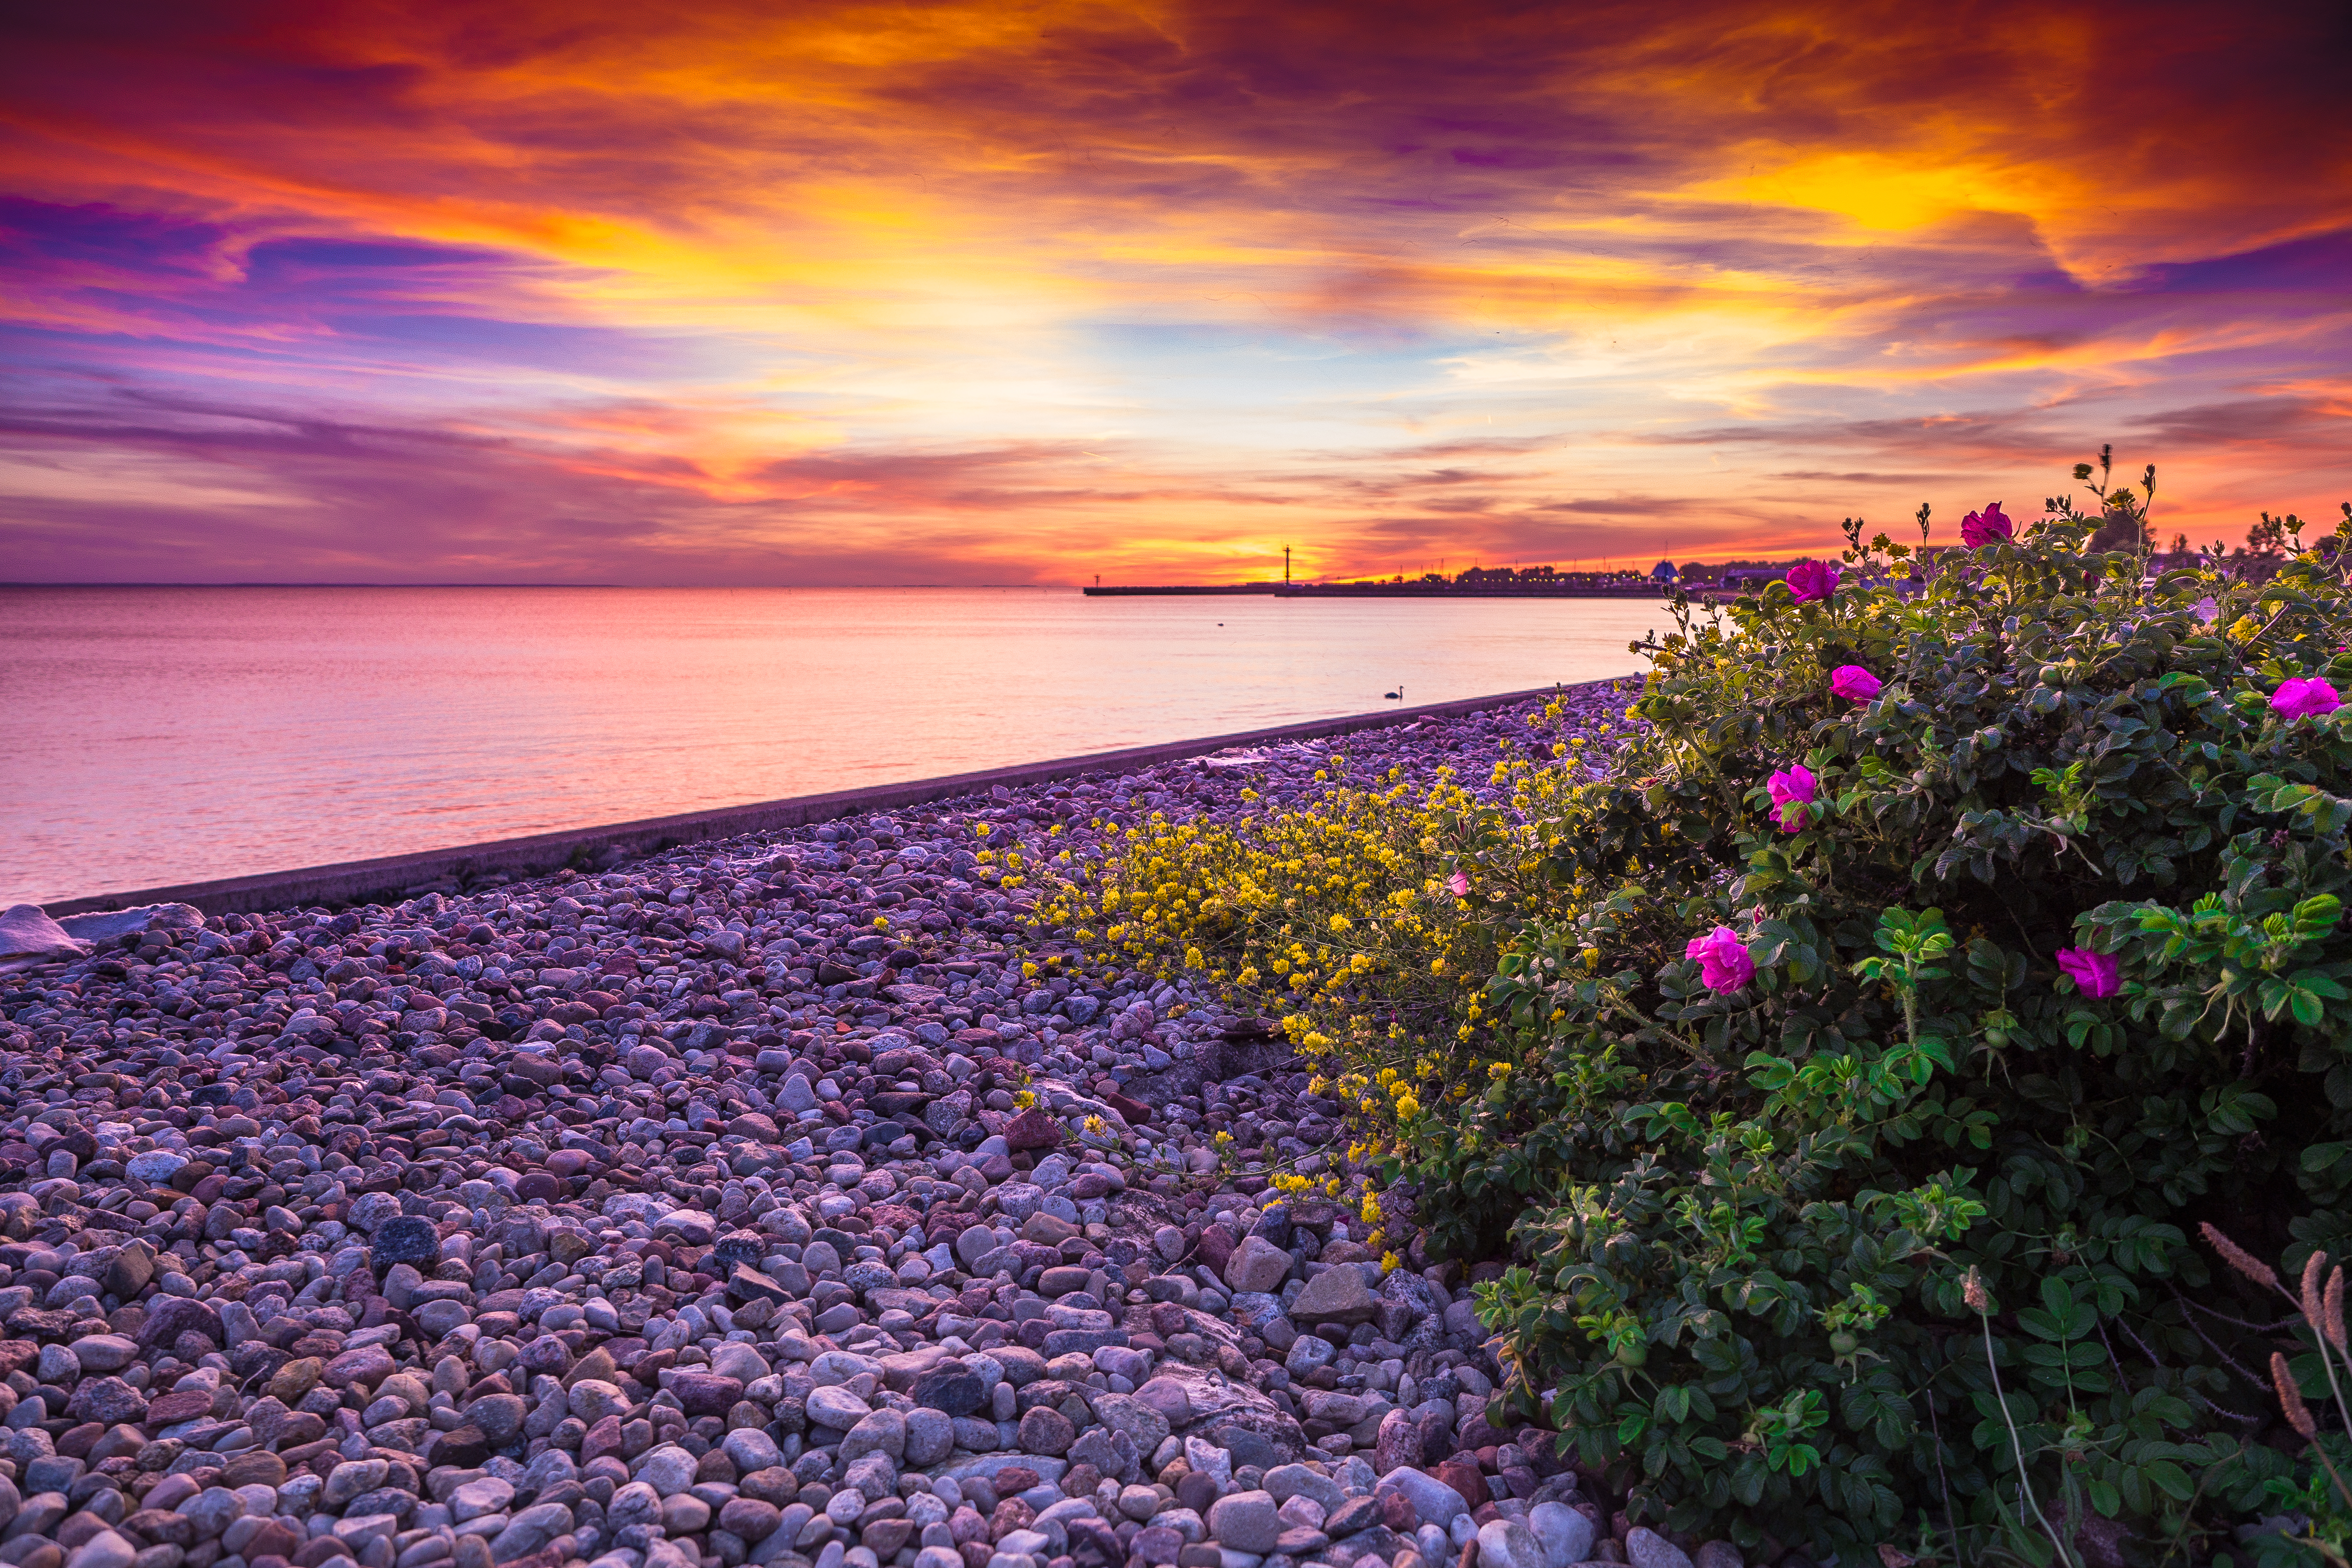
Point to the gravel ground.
(676, 1217)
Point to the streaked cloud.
(1027, 292)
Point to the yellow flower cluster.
(1339, 916)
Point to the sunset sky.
(1005, 293)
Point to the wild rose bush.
(1981, 917)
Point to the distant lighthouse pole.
(1285, 566)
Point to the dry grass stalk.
(2238, 1258)
(1972, 1291)
(2322, 1309)
(2298, 1414)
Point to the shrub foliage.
(1746, 1215)
(1890, 1240)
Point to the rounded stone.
(1046, 1430)
(837, 1407)
(1567, 1536)
(1646, 1548)
(155, 1166)
(1245, 1521)
(951, 1387)
(1507, 1543)
(1256, 1265)
(406, 1239)
(883, 1432)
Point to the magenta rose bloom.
(2300, 699)
(1991, 526)
(1811, 580)
(1792, 789)
(2096, 974)
(1723, 961)
(1854, 683)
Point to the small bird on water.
(1396, 696)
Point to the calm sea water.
(149, 736)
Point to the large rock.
(1566, 1535)
(29, 936)
(1337, 1295)
(1256, 1265)
(1228, 1413)
(110, 924)
(169, 1316)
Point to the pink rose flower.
(1792, 789)
(2096, 974)
(1811, 580)
(1991, 526)
(1854, 683)
(2299, 699)
(1458, 885)
(1723, 961)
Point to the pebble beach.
(760, 1201)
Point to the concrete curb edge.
(388, 879)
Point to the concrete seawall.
(391, 876)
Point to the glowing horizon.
(1009, 294)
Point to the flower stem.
(2018, 1448)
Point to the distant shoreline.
(1537, 590)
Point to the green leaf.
(2170, 1478)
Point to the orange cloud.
(971, 291)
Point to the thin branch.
(1943, 1482)
(2114, 1360)
(2239, 1417)
(2153, 1359)
(2227, 1359)
(2287, 1322)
